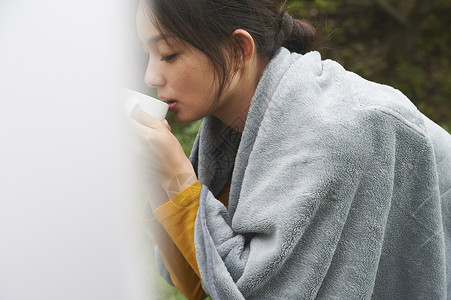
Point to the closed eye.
(168, 58)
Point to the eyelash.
(168, 58)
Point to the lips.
(172, 103)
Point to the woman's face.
(181, 74)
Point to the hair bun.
(299, 34)
(287, 24)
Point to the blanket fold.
(340, 190)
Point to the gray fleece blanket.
(341, 189)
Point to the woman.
(305, 181)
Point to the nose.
(153, 77)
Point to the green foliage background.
(402, 43)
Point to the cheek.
(194, 78)
(195, 81)
(178, 79)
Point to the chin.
(185, 119)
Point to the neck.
(234, 109)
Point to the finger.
(144, 118)
(142, 131)
(166, 124)
(149, 138)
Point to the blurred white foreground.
(67, 227)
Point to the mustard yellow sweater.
(173, 232)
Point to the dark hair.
(208, 26)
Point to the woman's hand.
(163, 153)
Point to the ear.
(245, 49)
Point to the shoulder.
(317, 103)
(323, 89)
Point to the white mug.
(154, 107)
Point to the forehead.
(146, 29)
(148, 33)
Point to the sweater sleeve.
(177, 216)
(173, 232)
